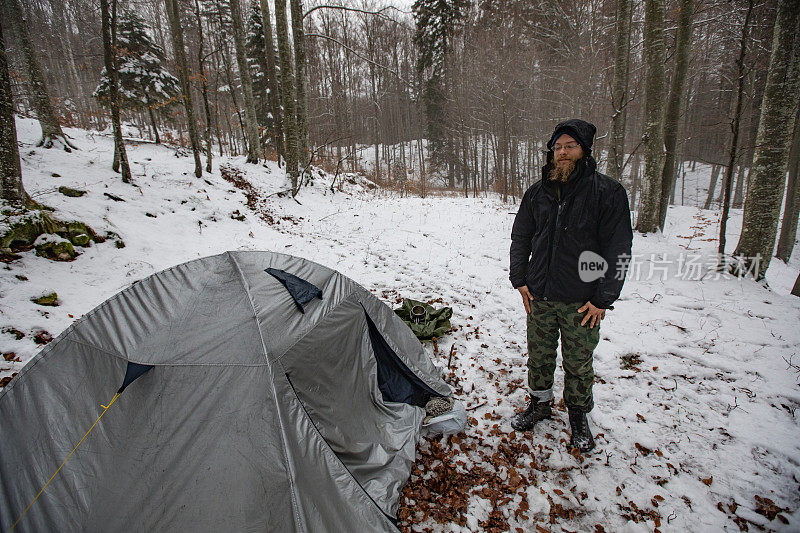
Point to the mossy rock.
(81, 240)
(23, 235)
(57, 251)
(80, 234)
(72, 193)
(6, 255)
(50, 300)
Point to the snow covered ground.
(696, 412)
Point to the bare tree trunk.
(768, 175)
(272, 80)
(40, 97)
(301, 80)
(204, 81)
(61, 15)
(791, 211)
(636, 180)
(153, 121)
(253, 143)
(221, 40)
(712, 186)
(796, 288)
(287, 92)
(745, 164)
(737, 119)
(11, 189)
(683, 45)
(619, 91)
(109, 45)
(647, 221)
(173, 15)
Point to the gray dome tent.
(261, 392)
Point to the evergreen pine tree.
(436, 23)
(143, 81)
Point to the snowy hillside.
(696, 413)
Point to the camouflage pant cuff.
(542, 395)
(585, 408)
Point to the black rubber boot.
(581, 434)
(535, 412)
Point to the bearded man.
(570, 224)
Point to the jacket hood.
(578, 129)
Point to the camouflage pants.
(545, 321)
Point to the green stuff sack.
(435, 323)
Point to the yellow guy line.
(105, 408)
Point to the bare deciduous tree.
(683, 45)
(768, 175)
(619, 88)
(176, 30)
(654, 127)
(11, 189)
(52, 134)
(791, 211)
(108, 17)
(251, 125)
(287, 93)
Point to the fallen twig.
(475, 406)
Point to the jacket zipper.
(553, 247)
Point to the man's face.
(566, 153)
(566, 149)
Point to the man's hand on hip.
(594, 314)
(527, 297)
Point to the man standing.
(570, 246)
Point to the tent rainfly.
(260, 391)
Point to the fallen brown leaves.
(766, 507)
(42, 337)
(442, 482)
(631, 511)
(255, 202)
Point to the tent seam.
(75, 323)
(150, 363)
(274, 395)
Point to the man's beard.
(561, 170)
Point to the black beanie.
(580, 130)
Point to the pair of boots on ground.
(581, 437)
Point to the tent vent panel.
(301, 290)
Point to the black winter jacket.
(557, 222)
